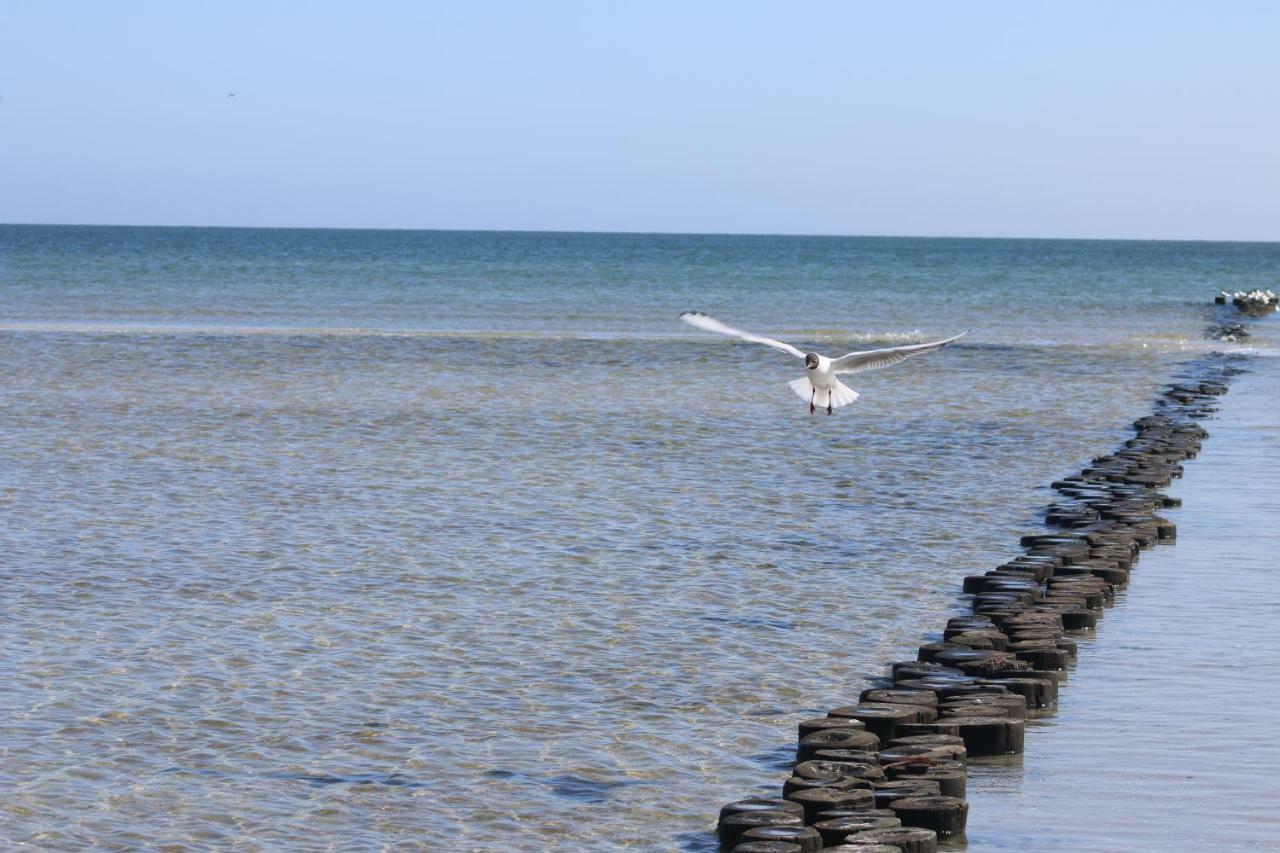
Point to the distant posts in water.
(1254, 302)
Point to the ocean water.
(1163, 739)
(351, 539)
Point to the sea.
(373, 540)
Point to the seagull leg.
(828, 402)
(812, 407)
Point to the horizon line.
(828, 235)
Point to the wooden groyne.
(1255, 302)
(887, 773)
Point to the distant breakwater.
(888, 773)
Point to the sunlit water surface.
(361, 539)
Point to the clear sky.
(1069, 119)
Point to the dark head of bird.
(810, 360)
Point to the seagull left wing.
(874, 359)
(710, 324)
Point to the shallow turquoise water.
(375, 538)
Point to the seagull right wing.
(710, 324)
(874, 359)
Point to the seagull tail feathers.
(841, 394)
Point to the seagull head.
(810, 360)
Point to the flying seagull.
(819, 381)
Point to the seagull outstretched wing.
(874, 359)
(710, 324)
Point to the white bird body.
(820, 385)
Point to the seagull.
(819, 371)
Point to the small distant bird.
(819, 382)
(231, 94)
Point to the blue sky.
(1135, 119)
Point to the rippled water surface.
(349, 539)
(1165, 735)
